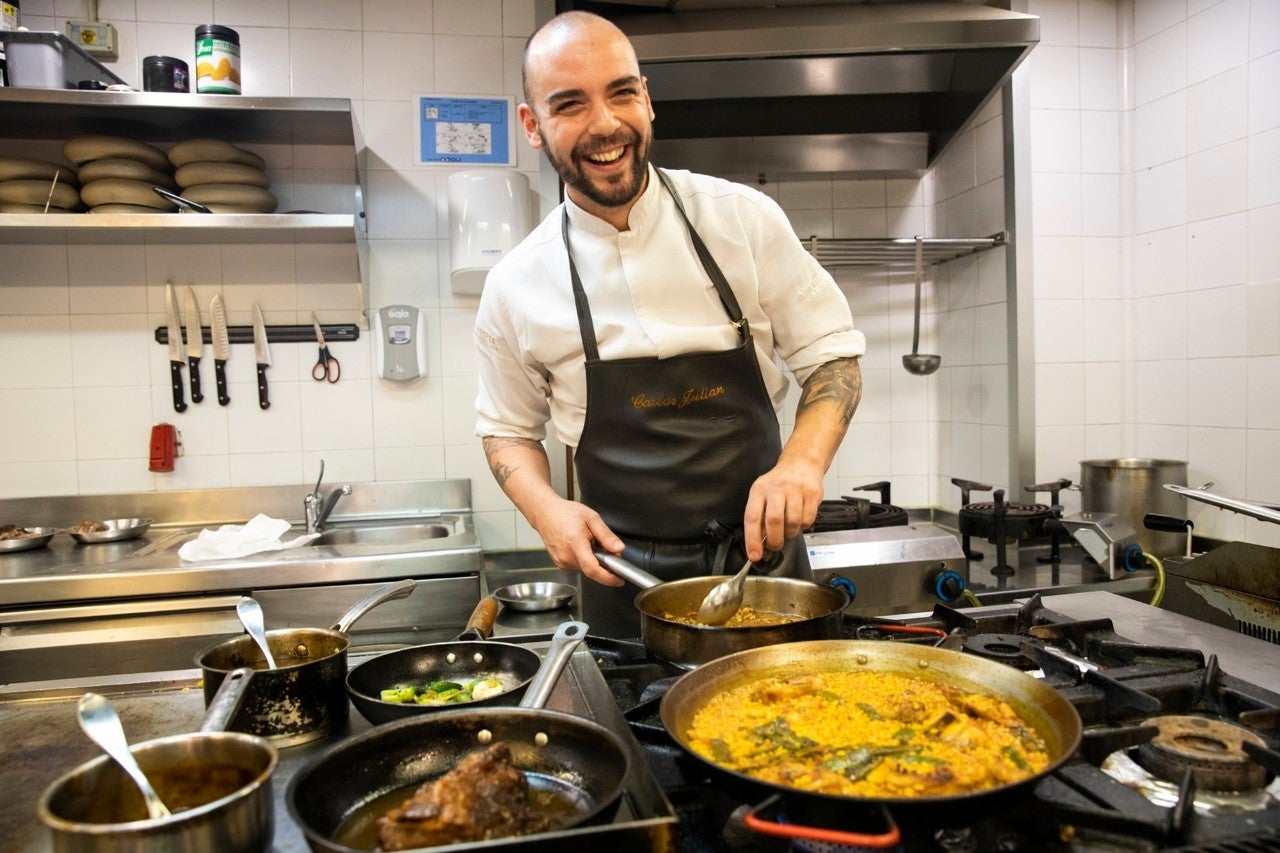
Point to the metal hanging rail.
(896, 251)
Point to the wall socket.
(96, 38)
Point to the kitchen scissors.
(326, 367)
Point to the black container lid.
(162, 61)
(218, 31)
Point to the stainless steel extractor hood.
(872, 88)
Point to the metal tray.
(118, 529)
(535, 597)
(36, 537)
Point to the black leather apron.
(670, 448)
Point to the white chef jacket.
(649, 296)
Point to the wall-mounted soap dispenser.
(488, 216)
(401, 335)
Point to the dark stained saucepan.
(467, 658)
(575, 763)
(217, 784)
(304, 697)
(1043, 708)
(821, 609)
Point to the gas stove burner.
(856, 514)
(1005, 648)
(1213, 749)
(1022, 522)
(850, 513)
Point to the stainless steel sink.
(392, 534)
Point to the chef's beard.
(614, 193)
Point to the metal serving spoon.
(724, 599)
(101, 723)
(921, 364)
(250, 613)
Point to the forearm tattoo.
(839, 382)
(494, 445)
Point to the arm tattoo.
(839, 382)
(493, 445)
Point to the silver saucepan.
(216, 783)
(305, 697)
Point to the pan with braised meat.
(484, 797)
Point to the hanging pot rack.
(896, 251)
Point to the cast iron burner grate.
(852, 513)
(1116, 685)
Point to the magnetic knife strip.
(276, 334)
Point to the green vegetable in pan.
(444, 692)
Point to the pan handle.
(227, 701)
(399, 589)
(563, 643)
(626, 570)
(757, 822)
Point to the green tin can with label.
(217, 60)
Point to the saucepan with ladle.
(303, 695)
(815, 612)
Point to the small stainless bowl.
(35, 537)
(118, 529)
(535, 597)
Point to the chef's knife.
(175, 348)
(221, 347)
(262, 355)
(195, 342)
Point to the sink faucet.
(317, 510)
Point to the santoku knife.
(195, 342)
(262, 355)
(175, 348)
(221, 347)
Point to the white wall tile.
(35, 352)
(1217, 109)
(1220, 327)
(326, 64)
(1100, 142)
(398, 66)
(1161, 392)
(324, 15)
(469, 65)
(1220, 35)
(1264, 402)
(1262, 312)
(112, 350)
(1216, 392)
(858, 193)
(1161, 327)
(468, 17)
(37, 479)
(1059, 22)
(46, 433)
(398, 16)
(1104, 331)
(1154, 16)
(1161, 197)
(264, 62)
(1098, 23)
(1216, 251)
(1160, 64)
(1056, 263)
(1100, 205)
(1264, 248)
(1056, 204)
(1217, 180)
(1059, 331)
(1055, 140)
(1264, 91)
(1160, 130)
(1103, 393)
(1055, 72)
(806, 193)
(1100, 79)
(1263, 176)
(1101, 271)
(250, 13)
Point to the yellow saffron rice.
(867, 734)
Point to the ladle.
(102, 724)
(724, 599)
(919, 363)
(250, 613)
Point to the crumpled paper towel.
(261, 533)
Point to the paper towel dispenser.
(488, 215)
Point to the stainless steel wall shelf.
(896, 251)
